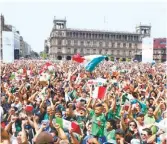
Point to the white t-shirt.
(135, 141)
(13, 140)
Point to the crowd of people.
(35, 96)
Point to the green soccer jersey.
(98, 124)
(113, 114)
(109, 134)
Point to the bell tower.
(59, 23)
(144, 30)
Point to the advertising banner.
(8, 46)
(147, 50)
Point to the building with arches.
(65, 42)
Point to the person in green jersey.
(109, 131)
(98, 121)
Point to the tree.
(43, 55)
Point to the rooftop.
(102, 31)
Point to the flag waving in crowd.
(90, 61)
(86, 100)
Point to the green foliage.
(43, 55)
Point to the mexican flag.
(67, 125)
(99, 92)
(45, 67)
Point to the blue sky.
(34, 20)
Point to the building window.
(94, 43)
(82, 43)
(88, 51)
(130, 45)
(107, 36)
(113, 45)
(126, 37)
(100, 51)
(107, 44)
(124, 45)
(84, 35)
(69, 42)
(104, 44)
(137, 38)
(117, 52)
(101, 36)
(75, 42)
(59, 42)
(81, 35)
(94, 51)
(135, 45)
(76, 34)
(69, 50)
(131, 38)
(100, 44)
(123, 37)
(73, 34)
(106, 51)
(118, 45)
(72, 42)
(119, 37)
(75, 50)
(93, 36)
(88, 43)
(59, 49)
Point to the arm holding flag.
(60, 131)
(73, 138)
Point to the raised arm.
(60, 131)
(23, 136)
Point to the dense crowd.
(39, 98)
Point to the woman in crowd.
(48, 102)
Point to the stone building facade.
(65, 42)
(160, 49)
